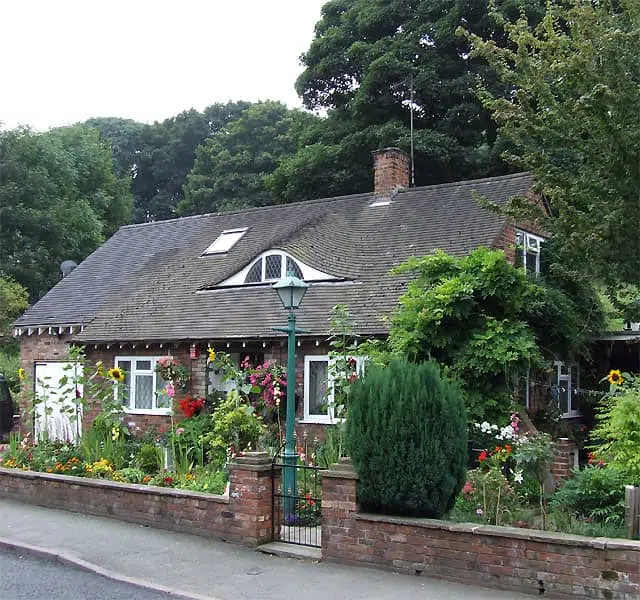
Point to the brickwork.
(392, 170)
(244, 516)
(532, 561)
(564, 460)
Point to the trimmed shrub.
(407, 437)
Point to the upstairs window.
(272, 267)
(528, 248)
(225, 241)
(567, 386)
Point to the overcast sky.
(64, 61)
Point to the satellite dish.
(67, 266)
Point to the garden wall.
(244, 516)
(526, 560)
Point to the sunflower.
(211, 354)
(116, 374)
(21, 374)
(615, 377)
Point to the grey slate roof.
(149, 282)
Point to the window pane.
(123, 389)
(273, 267)
(532, 262)
(143, 365)
(563, 396)
(162, 399)
(144, 391)
(255, 273)
(318, 384)
(293, 268)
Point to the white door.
(58, 409)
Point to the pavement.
(198, 568)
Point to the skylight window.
(226, 240)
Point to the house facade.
(176, 287)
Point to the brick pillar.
(564, 461)
(339, 502)
(251, 497)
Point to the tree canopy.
(59, 199)
(370, 61)
(572, 120)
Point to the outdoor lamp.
(291, 291)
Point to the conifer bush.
(407, 437)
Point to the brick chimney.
(392, 171)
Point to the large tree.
(370, 61)
(231, 167)
(572, 118)
(59, 199)
(157, 157)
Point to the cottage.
(177, 286)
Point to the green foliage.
(407, 437)
(148, 460)
(236, 428)
(333, 447)
(187, 441)
(230, 168)
(571, 120)
(617, 433)
(592, 494)
(486, 321)
(59, 198)
(369, 62)
(14, 298)
(9, 364)
(492, 495)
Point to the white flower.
(517, 477)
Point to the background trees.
(571, 119)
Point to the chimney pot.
(392, 172)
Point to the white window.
(567, 384)
(143, 390)
(225, 241)
(528, 248)
(318, 387)
(272, 267)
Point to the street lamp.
(291, 291)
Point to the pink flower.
(180, 431)
(170, 389)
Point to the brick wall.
(564, 460)
(519, 559)
(244, 516)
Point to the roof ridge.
(251, 209)
(363, 195)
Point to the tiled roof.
(149, 282)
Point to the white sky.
(64, 61)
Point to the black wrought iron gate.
(297, 513)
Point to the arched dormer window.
(271, 267)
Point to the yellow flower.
(115, 433)
(100, 368)
(116, 374)
(21, 374)
(615, 377)
(211, 354)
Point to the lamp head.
(291, 291)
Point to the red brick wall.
(392, 169)
(519, 559)
(244, 516)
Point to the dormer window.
(272, 267)
(225, 241)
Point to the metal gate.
(297, 513)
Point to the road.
(30, 578)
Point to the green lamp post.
(291, 291)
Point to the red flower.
(191, 406)
(483, 456)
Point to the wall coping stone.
(115, 485)
(536, 535)
(341, 470)
(252, 461)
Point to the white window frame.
(330, 416)
(225, 241)
(129, 408)
(529, 241)
(570, 382)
